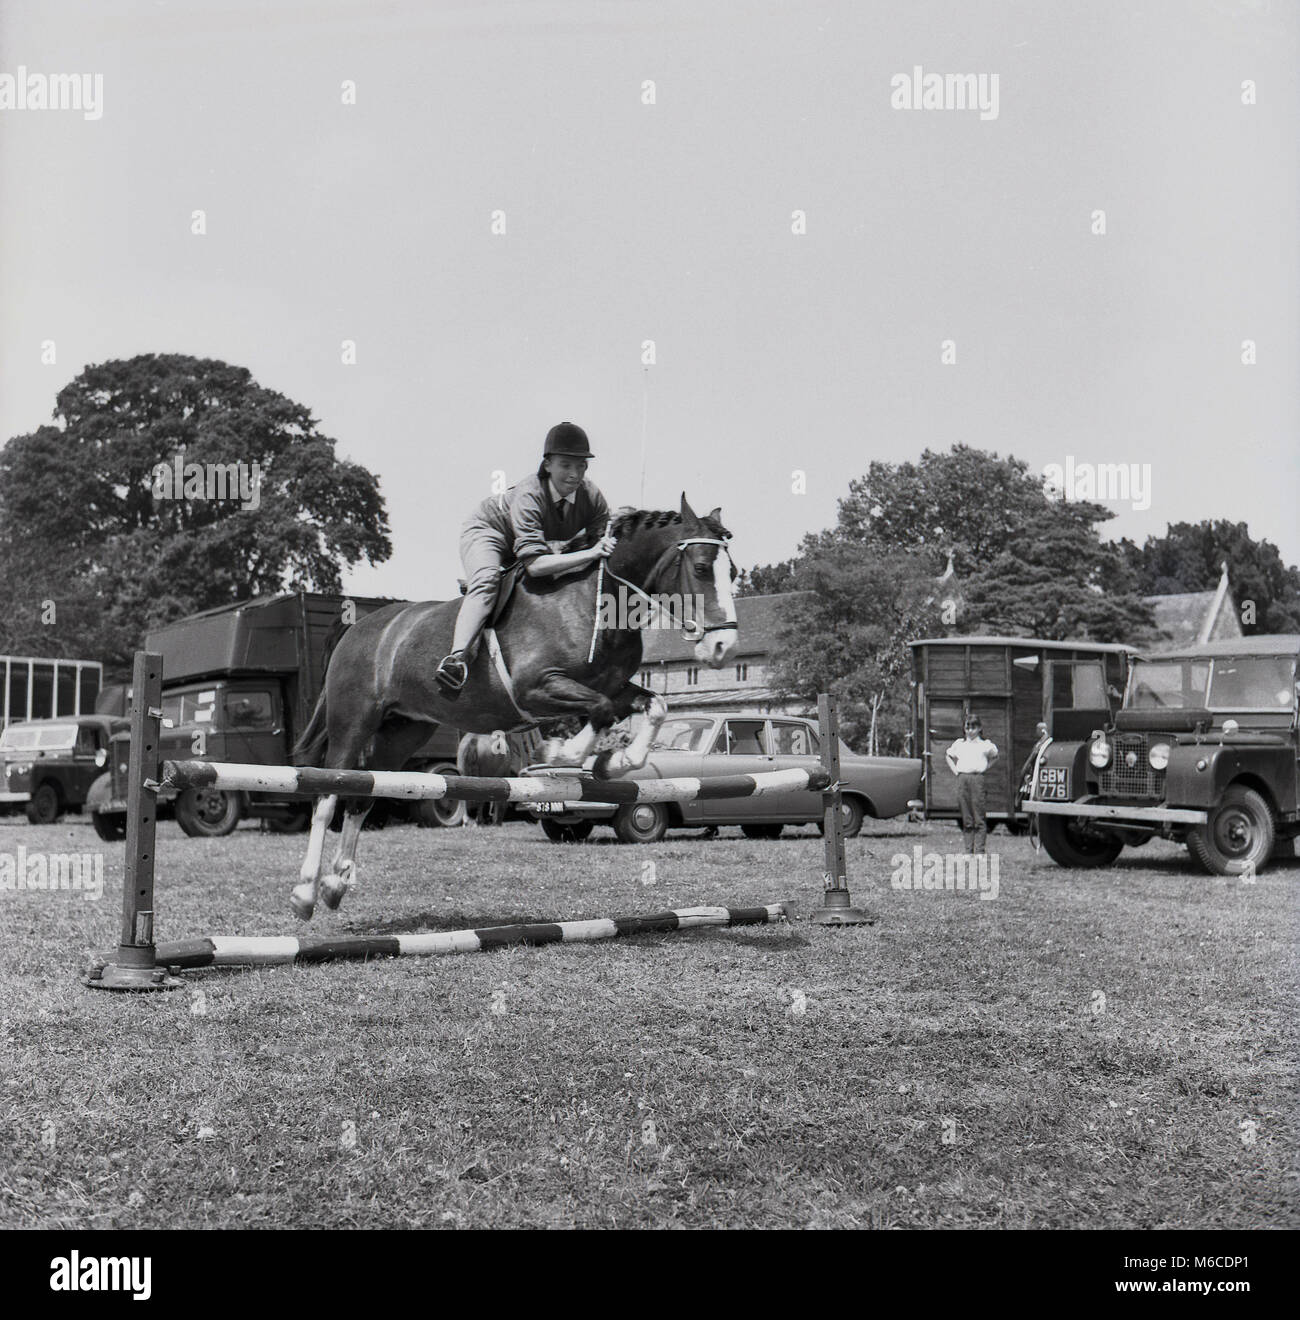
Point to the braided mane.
(632, 520)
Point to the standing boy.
(969, 758)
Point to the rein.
(692, 629)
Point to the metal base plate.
(841, 916)
(118, 976)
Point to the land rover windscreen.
(1221, 684)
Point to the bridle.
(692, 629)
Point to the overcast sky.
(672, 222)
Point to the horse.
(558, 646)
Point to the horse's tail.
(310, 747)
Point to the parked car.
(1205, 751)
(49, 765)
(738, 743)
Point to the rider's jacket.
(527, 517)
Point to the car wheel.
(1069, 844)
(44, 807)
(641, 822)
(762, 831)
(208, 813)
(852, 814)
(573, 831)
(109, 825)
(444, 813)
(1238, 836)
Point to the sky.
(784, 362)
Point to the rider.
(538, 522)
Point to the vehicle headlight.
(1099, 752)
(1159, 756)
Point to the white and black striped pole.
(837, 904)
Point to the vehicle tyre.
(1067, 844)
(297, 820)
(641, 822)
(852, 814)
(44, 807)
(762, 831)
(109, 825)
(444, 813)
(573, 831)
(1239, 834)
(208, 813)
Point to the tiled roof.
(759, 619)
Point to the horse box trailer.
(240, 683)
(1013, 684)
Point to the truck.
(1203, 752)
(39, 691)
(1020, 687)
(239, 684)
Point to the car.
(50, 764)
(1205, 751)
(730, 743)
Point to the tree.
(1190, 557)
(847, 630)
(1021, 563)
(93, 519)
(766, 579)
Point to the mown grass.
(953, 1065)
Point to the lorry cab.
(225, 720)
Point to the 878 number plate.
(1053, 784)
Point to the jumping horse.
(379, 699)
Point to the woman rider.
(534, 522)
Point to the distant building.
(670, 666)
(1188, 618)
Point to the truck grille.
(1119, 779)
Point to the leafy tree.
(1020, 563)
(87, 523)
(847, 632)
(766, 579)
(1190, 557)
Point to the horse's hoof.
(333, 887)
(302, 903)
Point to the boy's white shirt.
(971, 755)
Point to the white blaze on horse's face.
(714, 647)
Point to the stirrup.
(452, 672)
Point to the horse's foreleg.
(557, 695)
(303, 898)
(342, 874)
(633, 756)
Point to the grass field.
(1112, 1049)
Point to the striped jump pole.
(305, 782)
(262, 951)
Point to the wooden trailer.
(1012, 684)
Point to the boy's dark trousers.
(972, 798)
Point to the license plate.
(549, 808)
(1053, 784)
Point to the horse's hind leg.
(393, 746)
(303, 897)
